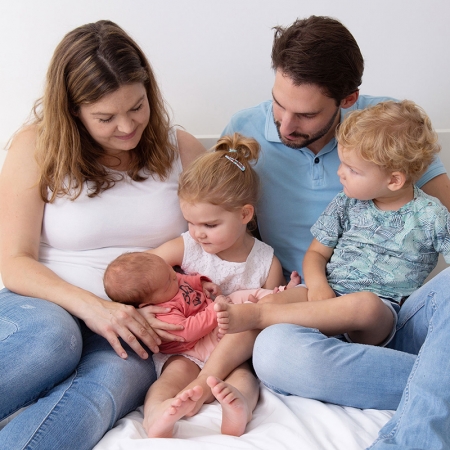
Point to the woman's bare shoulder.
(190, 147)
(24, 139)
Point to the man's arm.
(439, 187)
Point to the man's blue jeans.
(76, 384)
(411, 376)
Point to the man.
(318, 69)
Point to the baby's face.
(167, 284)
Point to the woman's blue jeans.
(411, 376)
(76, 384)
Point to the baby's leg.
(238, 396)
(295, 280)
(161, 408)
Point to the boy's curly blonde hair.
(397, 136)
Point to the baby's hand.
(210, 289)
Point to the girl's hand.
(115, 320)
(162, 329)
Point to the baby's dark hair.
(130, 278)
(224, 176)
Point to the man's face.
(303, 115)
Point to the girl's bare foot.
(169, 412)
(235, 410)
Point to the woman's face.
(117, 121)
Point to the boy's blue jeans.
(411, 376)
(76, 384)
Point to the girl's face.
(215, 228)
(361, 179)
(117, 121)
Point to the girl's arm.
(314, 265)
(275, 277)
(21, 214)
(171, 251)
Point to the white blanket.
(278, 422)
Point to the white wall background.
(212, 57)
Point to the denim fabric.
(411, 376)
(75, 383)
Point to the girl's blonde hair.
(224, 176)
(397, 136)
(90, 62)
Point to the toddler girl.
(217, 193)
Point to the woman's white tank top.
(81, 237)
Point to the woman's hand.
(115, 320)
(160, 328)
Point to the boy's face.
(361, 179)
(167, 284)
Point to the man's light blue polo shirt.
(296, 185)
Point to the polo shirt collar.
(271, 133)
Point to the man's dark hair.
(321, 51)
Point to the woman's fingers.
(116, 322)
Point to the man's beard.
(308, 139)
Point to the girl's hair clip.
(236, 162)
(232, 150)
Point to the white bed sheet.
(279, 422)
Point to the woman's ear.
(74, 110)
(397, 181)
(248, 211)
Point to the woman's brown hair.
(90, 62)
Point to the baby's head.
(396, 136)
(140, 279)
(224, 176)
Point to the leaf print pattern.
(389, 253)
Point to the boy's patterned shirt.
(389, 253)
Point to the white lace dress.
(230, 276)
